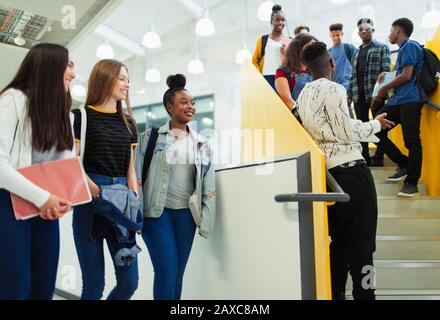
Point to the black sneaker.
(408, 191)
(398, 176)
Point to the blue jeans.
(301, 79)
(169, 240)
(91, 253)
(29, 253)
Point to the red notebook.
(63, 178)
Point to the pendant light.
(265, 10)
(151, 39)
(205, 26)
(244, 54)
(152, 75)
(431, 19)
(196, 66)
(105, 51)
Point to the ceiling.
(42, 21)
(127, 22)
(134, 17)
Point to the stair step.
(406, 275)
(407, 248)
(391, 189)
(407, 259)
(407, 264)
(409, 215)
(415, 225)
(413, 237)
(404, 295)
(393, 205)
(381, 174)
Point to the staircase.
(407, 259)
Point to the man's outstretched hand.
(384, 122)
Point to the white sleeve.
(343, 126)
(10, 178)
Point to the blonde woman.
(108, 160)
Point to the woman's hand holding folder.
(54, 208)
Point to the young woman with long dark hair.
(35, 127)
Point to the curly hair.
(316, 57)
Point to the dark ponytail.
(175, 83)
(276, 9)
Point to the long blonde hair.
(102, 81)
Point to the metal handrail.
(433, 105)
(338, 195)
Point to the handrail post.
(338, 195)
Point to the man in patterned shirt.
(322, 106)
(371, 59)
(405, 107)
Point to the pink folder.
(63, 178)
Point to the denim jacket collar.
(200, 140)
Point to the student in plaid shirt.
(370, 60)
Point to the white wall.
(11, 58)
(253, 252)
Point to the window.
(155, 115)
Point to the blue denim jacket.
(202, 203)
(120, 206)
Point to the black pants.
(352, 229)
(409, 116)
(362, 109)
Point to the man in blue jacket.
(405, 107)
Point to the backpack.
(149, 153)
(347, 50)
(429, 76)
(264, 43)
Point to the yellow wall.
(430, 135)
(263, 109)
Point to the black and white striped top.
(108, 142)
